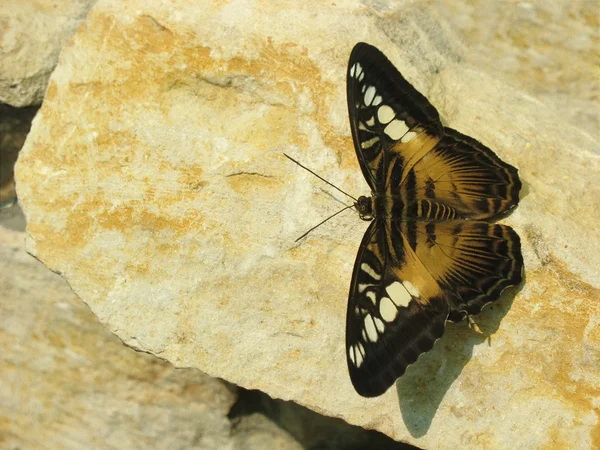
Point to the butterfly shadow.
(421, 389)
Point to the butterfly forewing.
(390, 120)
(422, 260)
(396, 311)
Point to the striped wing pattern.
(429, 255)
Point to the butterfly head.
(364, 206)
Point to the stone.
(546, 49)
(68, 382)
(158, 189)
(255, 430)
(32, 33)
(307, 427)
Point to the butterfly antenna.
(322, 222)
(322, 179)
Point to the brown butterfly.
(428, 255)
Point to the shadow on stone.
(421, 389)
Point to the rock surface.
(32, 33)
(153, 180)
(548, 49)
(67, 382)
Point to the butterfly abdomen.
(396, 208)
(434, 211)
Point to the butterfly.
(429, 254)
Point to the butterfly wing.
(403, 148)
(391, 122)
(472, 261)
(396, 310)
(462, 175)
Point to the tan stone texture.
(153, 180)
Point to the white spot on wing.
(359, 360)
(360, 351)
(408, 136)
(351, 355)
(370, 143)
(387, 310)
(370, 271)
(370, 328)
(412, 289)
(361, 76)
(371, 296)
(369, 95)
(371, 121)
(362, 287)
(377, 100)
(399, 294)
(385, 114)
(396, 129)
(379, 324)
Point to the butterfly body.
(429, 255)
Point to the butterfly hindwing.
(392, 123)
(403, 292)
(471, 261)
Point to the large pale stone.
(153, 180)
(32, 33)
